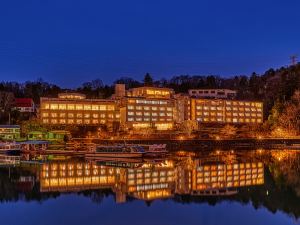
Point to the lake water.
(219, 187)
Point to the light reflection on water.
(227, 187)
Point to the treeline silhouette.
(273, 86)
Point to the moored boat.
(9, 148)
(117, 151)
(156, 150)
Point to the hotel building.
(225, 111)
(146, 107)
(74, 108)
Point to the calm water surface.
(219, 187)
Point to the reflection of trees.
(285, 168)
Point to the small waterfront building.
(9, 132)
(36, 135)
(57, 135)
(213, 93)
(24, 105)
(76, 109)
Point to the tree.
(228, 131)
(290, 117)
(188, 126)
(148, 80)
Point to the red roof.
(23, 102)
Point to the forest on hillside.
(276, 88)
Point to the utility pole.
(293, 59)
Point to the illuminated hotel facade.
(74, 108)
(147, 107)
(225, 111)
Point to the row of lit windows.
(257, 104)
(229, 120)
(80, 115)
(229, 114)
(229, 103)
(72, 121)
(139, 119)
(227, 179)
(147, 108)
(219, 108)
(69, 173)
(150, 180)
(230, 184)
(78, 107)
(150, 174)
(63, 182)
(9, 130)
(132, 113)
(229, 172)
(157, 92)
(235, 166)
(236, 174)
(148, 102)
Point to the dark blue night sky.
(68, 42)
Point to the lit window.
(102, 107)
(71, 107)
(54, 121)
(62, 115)
(86, 115)
(130, 113)
(45, 106)
(70, 115)
(63, 121)
(45, 114)
(62, 106)
(79, 115)
(78, 107)
(95, 115)
(95, 107)
(53, 106)
(110, 107)
(87, 107)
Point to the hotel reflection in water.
(152, 181)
